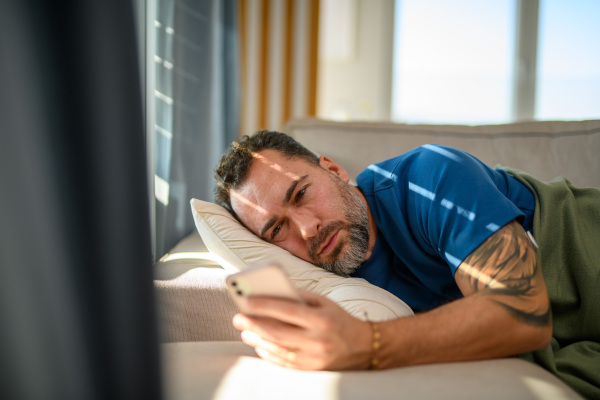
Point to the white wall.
(355, 60)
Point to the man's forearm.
(471, 328)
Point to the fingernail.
(238, 321)
(247, 336)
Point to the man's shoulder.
(426, 159)
(382, 175)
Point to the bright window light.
(161, 190)
(453, 61)
(568, 84)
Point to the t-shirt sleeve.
(453, 202)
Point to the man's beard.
(357, 240)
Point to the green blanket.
(566, 227)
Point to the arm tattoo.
(505, 267)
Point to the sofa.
(203, 356)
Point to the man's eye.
(275, 231)
(300, 194)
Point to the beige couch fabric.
(231, 371)
(543, 149)
(191, 301)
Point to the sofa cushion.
(191, 301)
(231, 371)
(236, 248)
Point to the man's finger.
(269, 329)
(250, 338)
(290, 312)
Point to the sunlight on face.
(247, 202)
(270, 164)
(275, 166)
(330, 213)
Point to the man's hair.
(232, 169)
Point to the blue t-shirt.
(433, 206)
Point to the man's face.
(312, 212)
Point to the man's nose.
(307, 223)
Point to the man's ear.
(331, 166)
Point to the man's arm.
(506, 270)
(505, 312)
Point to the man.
(434, 226)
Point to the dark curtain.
(196, 105)
(76, 295)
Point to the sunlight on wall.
(355, 59)
(161, 190)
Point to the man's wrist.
(375, 345)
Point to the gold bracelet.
(376, 344)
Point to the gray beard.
(357, 241)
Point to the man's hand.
(315, 336)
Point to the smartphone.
(263, 279)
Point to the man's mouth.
(330, 244)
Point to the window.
(569, 60)
(460, 61)
(192, 105)
(452, 61)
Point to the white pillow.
(236, 248)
